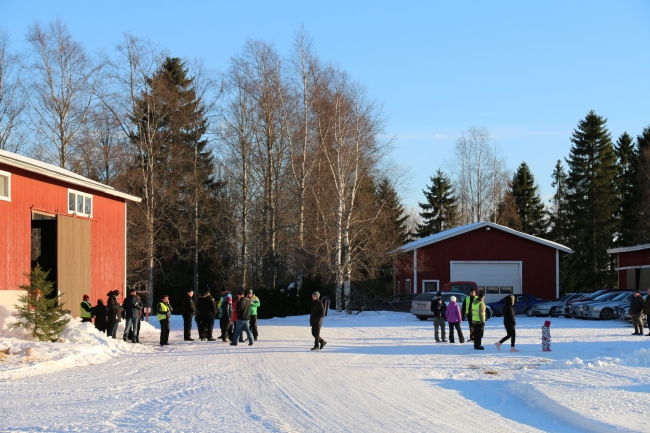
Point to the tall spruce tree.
(439, 212)
(593, 203)
(559, 212)
(392, 212)
(626, 186)
(642, 188)
(529, 204)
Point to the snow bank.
(639, 357)
(80, 344)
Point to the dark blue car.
(523, 305)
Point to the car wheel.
(606, 314)
(529, 312)
(553, 313)
(422, 317)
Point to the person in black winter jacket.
(114, 313)
(316, 320)
(636, 312)
(206, 313)
(133, 309)
(101, 316)
(188, 311)
(243, 311)
(225, 320)
(509, 322)
(439, 309)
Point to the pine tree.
(393, 211)
(642, 188)
(559, 216)
(593, 203)
(529, 204)
(439, 213)
(628, 194)
(38, 310)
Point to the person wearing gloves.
(164, 312)
(509, 323)
(454, 318)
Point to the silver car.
(605, 310)
(553, 308)
(421, 304)
(577, 309)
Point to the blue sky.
(527, 71)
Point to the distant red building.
(633, 267)
(499, 259)
(73, 226)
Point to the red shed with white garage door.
(70, 225)
(499, 259)
(633, 267)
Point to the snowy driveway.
(379, 372)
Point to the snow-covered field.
(379, 372)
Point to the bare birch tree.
(62, 91)
(12, 97)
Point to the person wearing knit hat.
(546, 336)
(86, 310)
(316, 320)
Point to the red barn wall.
(538, 261)
(634, 258)
(34, 191)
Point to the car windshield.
(605, 297)
(621, 297)
(598, 293)
(565, 297)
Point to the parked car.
(421, 304)
(523, 304)
(577, 308)
(586, 298)
(553, 308)
(393, 303)
(622, 312)
(604, 310)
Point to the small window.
(80, 203)
(506, 290)
(491, 290)
(5, 186)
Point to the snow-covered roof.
(432, 239)
(629, 249)
(59, 173)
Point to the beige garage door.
(489, 274)
(73, 257)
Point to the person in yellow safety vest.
(466, 311)
(86, 310)
(478, 320)
(164, 311)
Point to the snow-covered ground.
(379, 372)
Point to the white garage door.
(504, 275)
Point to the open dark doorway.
(44, 245)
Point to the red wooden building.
(499, 259)
(73, 226)
(633, 267)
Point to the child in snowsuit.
(546, 336)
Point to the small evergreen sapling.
(37, 310)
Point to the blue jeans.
(132, 321)
(242, 324)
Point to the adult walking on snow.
(164, 313)
(454, 319)
(243, 317)
(316, 320)
(509, 323)
(226, 317)
(439, 310)
(207, 312)
(636, 312)
(466, 310)
(478, 320)
(114, 313)
(188, 310)
(132, 308)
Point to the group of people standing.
(107, 317)
(235, 316)
(472, 310)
